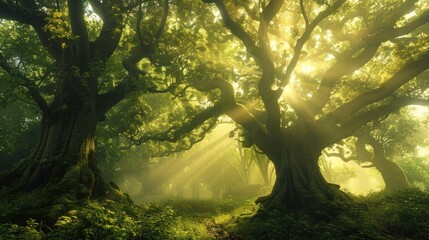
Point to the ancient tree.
(67, 81)
(296, 76)
(321, 70)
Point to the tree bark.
(393, 176)
(299, 183)
(63, 162)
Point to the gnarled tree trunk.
(393, 176)
(63, 161)
(299, 183)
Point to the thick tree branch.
(107, 100)
(262, 58)
(27, 83)
(244, 118)
(79, 31)
(304, 38)
(265, 61)
(346, 63)
(271, 10)
(157, 35)
(111, 32)
(175, 133)
(389, 33)
(386, 24)
(353, 124)
(236, 29)
(362, 154)
(407, 73)
(391, 18)
(303, 12)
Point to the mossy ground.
(384, 215)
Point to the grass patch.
(380, 216)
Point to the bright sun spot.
(273, 45)
(422, 151)
(307, 68)
(420, 111)
(237, 88)
(329, 57)
(410, 15)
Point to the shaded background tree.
(386, 146)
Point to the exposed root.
(321, 204)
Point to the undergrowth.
(379, 216)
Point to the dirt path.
(215, 230)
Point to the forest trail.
(215, 230)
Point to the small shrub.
(13, 231)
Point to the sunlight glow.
(307, 68)
(237, 88)
(422, 151)
(410, 15)
(420, 111)
(217, 15)
(273, 45)
(329, 57)
(328, 36)
(92, 15)
(357, 180)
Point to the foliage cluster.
(14, 231)
(383, 215)
(417, 171)
(100, 220)
(124, 220)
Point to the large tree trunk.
(63, 162)
(299, 183)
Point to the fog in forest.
(220, 167)
(214, 119)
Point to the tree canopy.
(295, 76)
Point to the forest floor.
(384, 215)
